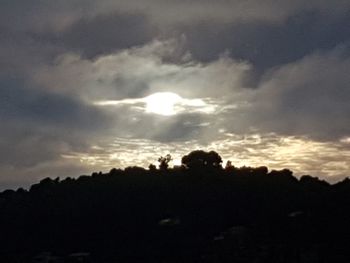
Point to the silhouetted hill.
(198, 212)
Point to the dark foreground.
(203, 214)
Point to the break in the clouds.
(88, 85)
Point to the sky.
(90, 85)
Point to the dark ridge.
(197, 212)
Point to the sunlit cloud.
(138, 72)
(345, 140)
(300, 154)
(164, 103)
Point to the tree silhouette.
(164, 162)
(152, 167)
(200, 159)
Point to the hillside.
(199, 212)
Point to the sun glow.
(162, 103)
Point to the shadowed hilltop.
(197, 212)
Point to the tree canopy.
(201, 159)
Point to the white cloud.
(141, 71)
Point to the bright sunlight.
(162, 103)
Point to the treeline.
(196, 212)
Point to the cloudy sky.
(90, 85)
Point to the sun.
(162, 103)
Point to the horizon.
(173, 164)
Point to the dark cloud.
(20, 101)
(308, 97)
(38, 126)
(268, 45)
(103, 34)
(181, 128)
